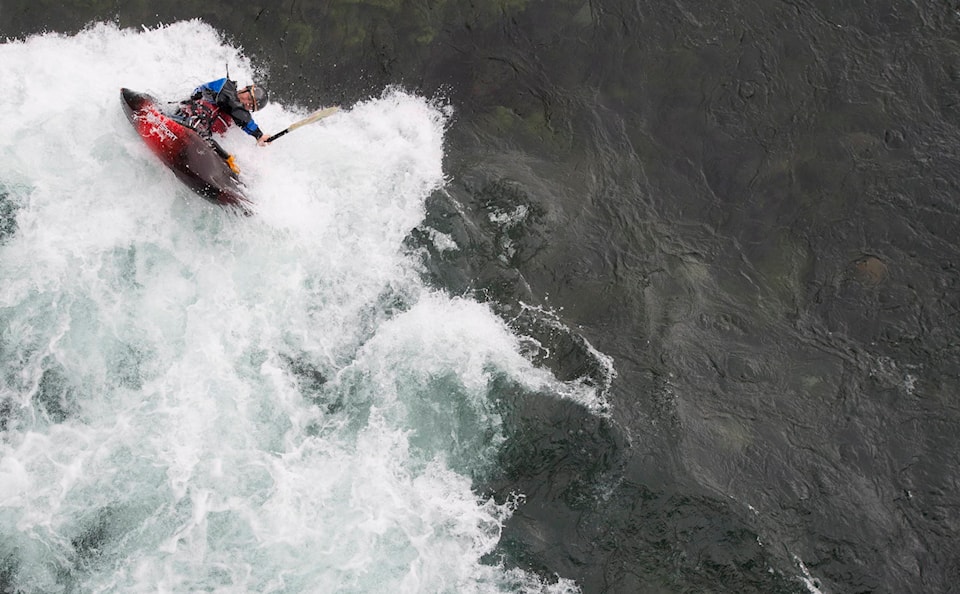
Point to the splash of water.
(194, 401)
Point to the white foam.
(159, 436)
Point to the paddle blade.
(315, 116)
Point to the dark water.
(753, 208)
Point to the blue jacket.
(221, 94)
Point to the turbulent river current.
(193, 401)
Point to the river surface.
(569, 297)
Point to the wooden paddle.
(313, 117)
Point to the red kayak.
(194, 160)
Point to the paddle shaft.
(277, 135)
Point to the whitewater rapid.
(192, 400)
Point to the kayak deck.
(186, 153)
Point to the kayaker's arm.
(243, 119)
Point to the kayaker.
(214, 106)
